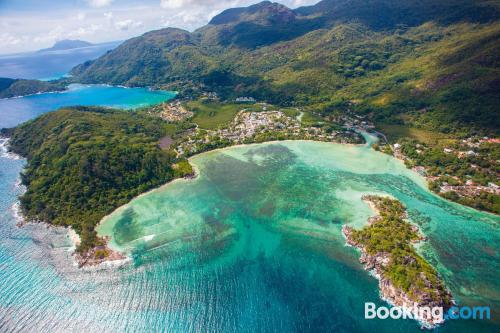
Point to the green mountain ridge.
(432, 63)
(265, 12)
(383, 14)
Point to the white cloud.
(299, 3)
(106, 20)
(83, 31)
(189, 14)
(81, 16)
(122, 25)
(52, 36)
(59, 33)
(204, 4)
(128, 24)
(173, 4)
(99, 3)
(8, 39)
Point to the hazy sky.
(27, 25)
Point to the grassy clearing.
(290, 112)
(396, 132)
(211, 115)
(171, 129)
(309, 119)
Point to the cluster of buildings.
(256, 126)
(172, 112)
(247, 124)
(470, 189)
(245, 100)
(212, 96)
(465, 186)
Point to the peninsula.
(405, 278)
(85, 162)
(18, 87)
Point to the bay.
(14, 111)
(254, 243)
(251, 245)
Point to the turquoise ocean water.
(251, 245)
(14, 111)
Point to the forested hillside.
(434, 64)
(83, 163)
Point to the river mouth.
(280, 207)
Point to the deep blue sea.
(47, 65)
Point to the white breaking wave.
(4, 150)
(149, 238)
(17, 213)
(19, 187)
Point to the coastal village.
(476, 157)
(471, 170)
(251, 126)
(255, 122)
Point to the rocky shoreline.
(97, 256)
(92, 259)
(413, 300)
(82, 260)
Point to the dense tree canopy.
(83, 163)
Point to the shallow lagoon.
(255, 242)
(252, 245)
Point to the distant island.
(51, 63)
(67, 44)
